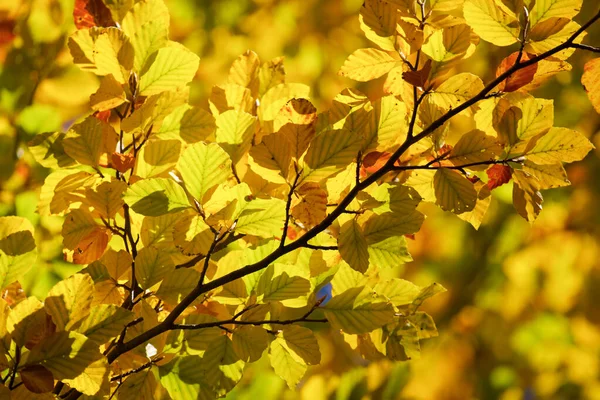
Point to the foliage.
(210, 237)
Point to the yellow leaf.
(230, 96)
(17, 248)
(311, 206)
(548, 176)
(152, 112)
(192, 124)
(78, 224)
(156, 196)
(329, 153)
(157, 157)
(456, 90)
(104, 322)
(272, 157)
(378, 22)
(473, 147)
(387, 124)
(591, 82)
(235, 130)
(475, 217)
(551, 33)
(249, 342)
(90, 140)
(381, 227)
(544, 9)
(69, 301)
(138, 386)
(262, 217)
(176, 285)
(453, 191)
(109, 95)
(353, 246)
(184, 380)
(245, 72)
(103, 51)
(444, 45)
(173, 67)
(285, 365)
(193, 236)
(366, 64)
(203, 166)
(271, 74)
(301, 344)
(48, 150)
(397, 291)
(278, 96)
(25, 322)
(107, 197)
(491, 23)
(389, 253)
(527, 199)
(559, 145)
(151, 266)
(287, 284)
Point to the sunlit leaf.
(105, 322)
(285, 283)
(353, 246)
(109, 95)
(151, 266)
(157, 157)
(559, 145)
(69, 301)
(173, 67)
(156, 196)
(453, 191)
(203, 166)
(235, 130)
(591, 82)
(491, 22)
(366, 64)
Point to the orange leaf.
(122, 162)
(91, 246)
(499, 175)
(418, 78)
(103, 115)
(374, 160)
(7, 31)
(89, 13)
(37, 379)
(518, 79)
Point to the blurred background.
(521, 318)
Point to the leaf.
(446, 44)
(552, 33)
(559, 145)
(92, 246)
(184, 380)
(491, 22)
(285, 283)
(353, 246)
(389, 253)
(138, 386)
(107, 197)
(378, 22)
(330, 153)
(285, 365)
(173, 67)
(156, 196)
(545, 9)
(271, 74)
(48, 150)
(498, 175)
(109, 95)
(103, 51)
(397, 291)
(151, 266)
(88, 141)
(548, 176)
(355, 312)
(203, 166)
(73, 359)
(245, 72)
(231, 97)
(176, 285)
(527, 199)
(157, 157)
(272, 158)
(311, 207)
(37, 379)
(122, 162)
(147, 25)
(69, 301)
(387, 124)
(456, 90)
(278, 96)
(223, 367)
(519, 78)
(27, 322)
(193, 235)
(192, 124)
(17, 249)
(453, 191)
(473, 147)
(153, 111)
(366, 64)
(262, 218)
(235, 130)
(104, 322)
(591, 82)
(300, 117)
(383, 226)
(78, 224)
(249, 342)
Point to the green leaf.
(330, 153)
(151, 266)
(249, 342)
(147, 25)
(262, 218)
(301, 344)
(70, 300)
(48, 150)
(184, 380)
(366, 64)
(173, 67)
(17, 249)
(235, 130)
(354, 311)
(389, 253)
(288, 284)
(491, 22)
(105, 322)
(289, 368)
(353, 246)
(397, 291)
(73, 359)
(453, 191)
(387, 124)
(424, 323)
(381, 227)
(192, 124)
(473, 147)
(222, 365)
(157, 157)
(156, 196)
(559, 145)
(203, 166)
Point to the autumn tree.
(209, 237)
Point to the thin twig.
(288, 206)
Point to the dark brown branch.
(136, 370)
(458, 167)
(168, 322)
(315, 247)
(288, 206)
(586, 47)
(220, 246)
